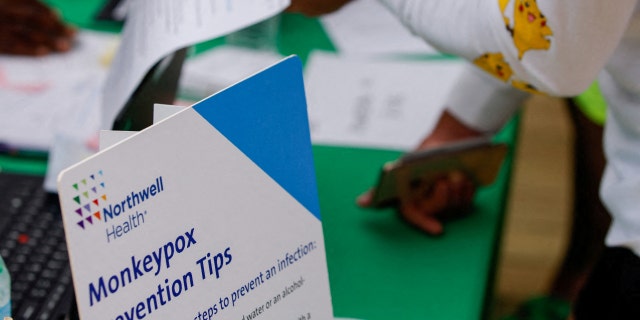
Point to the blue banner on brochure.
(209, 214)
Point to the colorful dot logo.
(89, 195)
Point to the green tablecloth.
(381, 268)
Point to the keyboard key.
(27, 309)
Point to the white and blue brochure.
(209, 214)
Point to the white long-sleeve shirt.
(555, 47)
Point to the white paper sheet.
(61, 92)
(367, 27)
(155, 28)
(376, 103)
(221, 67)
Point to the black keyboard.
(33, 247)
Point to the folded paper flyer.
(211, 213)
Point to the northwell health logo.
(119, 216)
(89, 196)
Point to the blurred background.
(538, 213)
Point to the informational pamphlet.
(212, 213)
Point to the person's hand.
(314, 8)
(427, 205)
(28, 27)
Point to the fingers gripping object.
(438, 184)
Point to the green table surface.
(382, 268)
(379, 267)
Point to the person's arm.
(557, 47)
(486, 105)
(482, 102)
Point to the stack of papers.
(40, 97)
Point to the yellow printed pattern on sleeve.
(530, 30)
